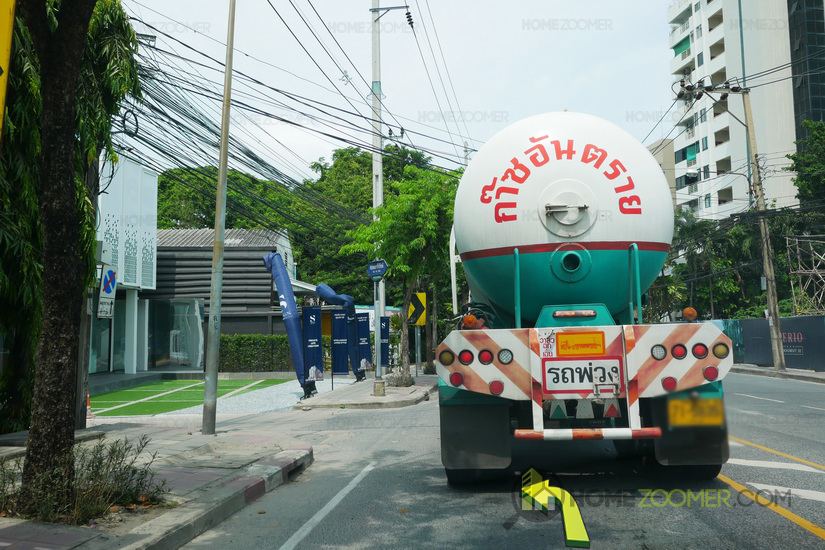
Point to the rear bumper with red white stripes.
(588, 434)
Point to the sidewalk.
(209, 477)
(789, 374)
(359, 395)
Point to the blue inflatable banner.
(328, 295)
(340, 342)
(385, 341)
(313, 354)
(362, 328)
(292, 321)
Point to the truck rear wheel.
(458, 478)
(700, 471)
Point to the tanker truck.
(562, 222)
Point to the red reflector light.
(669, 383)
(456, 379)
(575, 313)
(700, 351)
(496, 387)
(485, 356)
(466, 357)
(711, 373)
(679, 351)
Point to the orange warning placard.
(572, 344)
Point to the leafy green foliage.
(108, 74)
(255, 353)
(809, 164)
(411, 234)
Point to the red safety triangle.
(612, 412)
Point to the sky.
(506, 61)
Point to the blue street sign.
(377, 269)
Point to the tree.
(809, 164)
(412, 234)
(65, 137)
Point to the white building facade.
(734, 41)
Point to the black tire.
(626, 448)
(700, 472)
(459, 478)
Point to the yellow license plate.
(696, 412)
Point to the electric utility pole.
(378, 170)
(758, 192)
(213, 342)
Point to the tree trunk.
(49, 468)
(405, 331)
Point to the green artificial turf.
(178, 398)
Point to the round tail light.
(711, 373)
(456, 379)
(505, 356)
(700, 351)
(496, 387)
(485, 356)
(446, 357)
(466, 357)
(669, 383)
(658, 352)
(679, 351)
(721, 350)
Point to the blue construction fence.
(803, 339)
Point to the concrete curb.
(423, 393)
(216, 503)
(774, 374)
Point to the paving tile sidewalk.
(789, 374)
(210, 477)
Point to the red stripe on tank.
(552, 247)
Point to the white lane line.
(815, 408)
(150, 397)
(299, 535)
(773, 464)
(762, 398)
(233, 392)
(743, 411)
(734, 443)
(801, 493)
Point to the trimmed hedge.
(255, 353)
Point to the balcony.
(682, 62)
(679, 12)
(720, 121)
(678, 33)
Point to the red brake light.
(496, 387)
(466, 357)
(669, 383)
(679, 351)
(456, 379)
(700, 351)
(485, 356)
(711, 373)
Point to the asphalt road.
(377, 482)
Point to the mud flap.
(475, 437)
(687, 445)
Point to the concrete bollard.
(378, 389)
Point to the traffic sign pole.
(417, 347)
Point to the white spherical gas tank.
(571, 192)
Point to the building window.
(704, 144)
(707, 171)
(696, 7)
(700, 59)
(703, 115)
(699, 31)
(707, 200)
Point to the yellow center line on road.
(787, 514)
(150, 397)
(780, 453)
